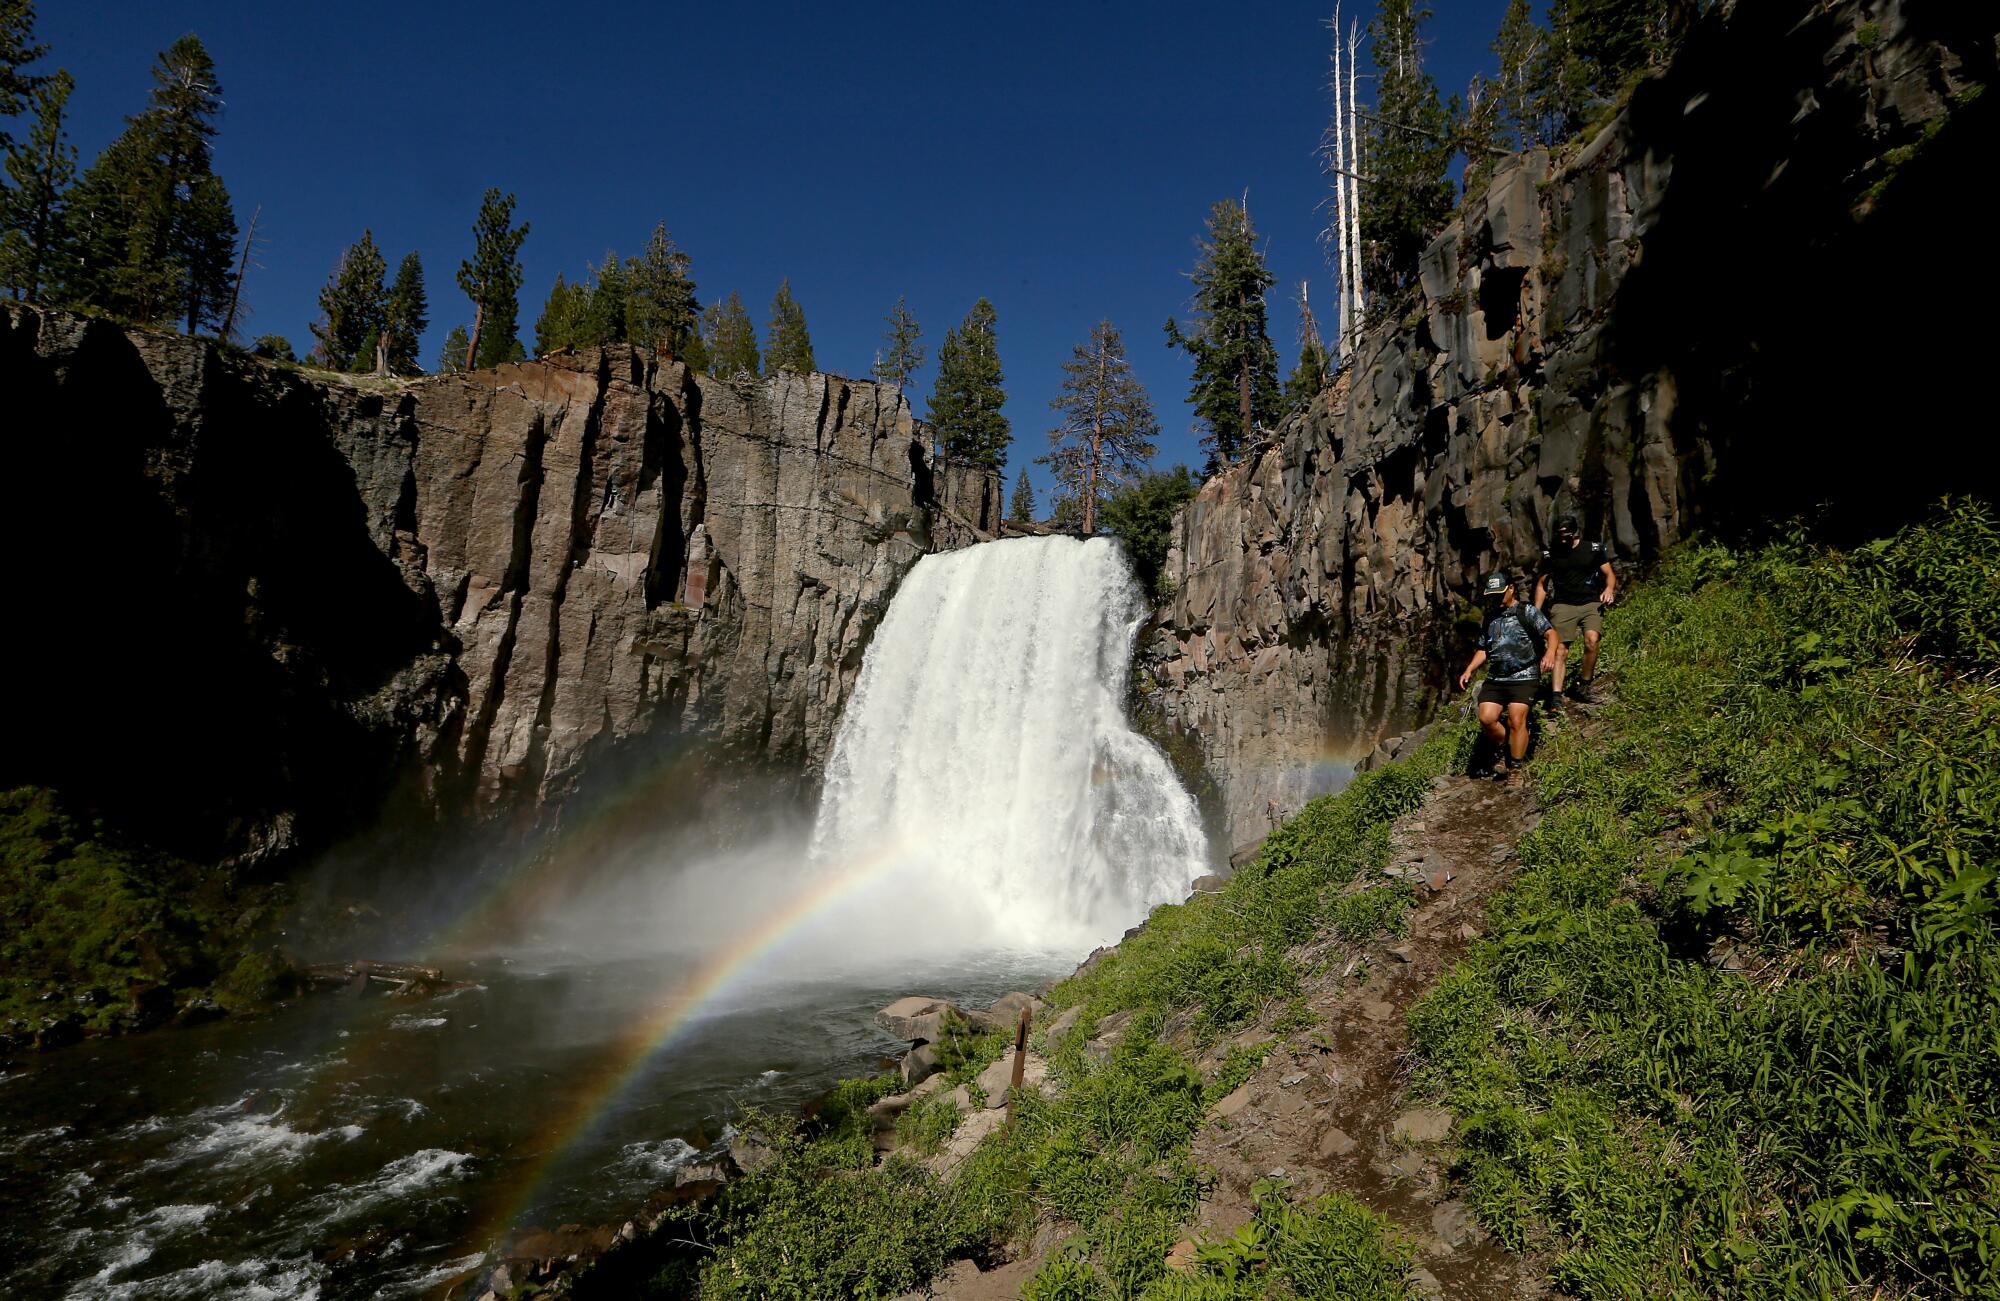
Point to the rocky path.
(1327, 1110)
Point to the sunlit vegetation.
(1733, 1032)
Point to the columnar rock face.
(261, 601)
(1660, 331)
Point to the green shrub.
(81, 909)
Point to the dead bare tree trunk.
(1353, 239)
(1340, 198)
(1096, 449)
(242, 265)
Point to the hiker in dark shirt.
(1576, 585)
(1518, 646)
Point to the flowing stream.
(988, 816)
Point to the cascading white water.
(986, 757)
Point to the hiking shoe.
(1555, 706)
(1581, 691)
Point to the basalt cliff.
(1727, 306)
(258, 609)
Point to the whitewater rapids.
(985, 755)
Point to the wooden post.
(1020, 1059)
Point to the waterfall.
(986, 756)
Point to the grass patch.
(1734, 1027)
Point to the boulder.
(998, 1078)
(750, 1153)
(1005, 1013)
(919, 1064)
(1064, 1023)
(1209, 884)
(917, 1019)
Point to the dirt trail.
(1327, 1111)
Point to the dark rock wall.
(258, 609)
(1736, 302)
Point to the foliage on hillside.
(88, 923)
(1734, 1030)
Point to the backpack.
(1597, 562)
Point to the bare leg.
(1562, 664)
(1517, 732)
(1589, 659)
(1489, 718)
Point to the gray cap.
(1496, 583)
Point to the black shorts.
(1504, 694)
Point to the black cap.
(1566, 524)
(1496, 582)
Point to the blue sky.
(1058, 159)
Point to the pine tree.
(42, 167)
(561, 321)
(491, 278)
(364, 356)
(1518, 92)
(154, 232)
(1309, 378)
(1410, 149)
(1595, 47)
(351, 306)
(405, 317)
(604, 311)
(17, 47)
(661, 310)
(787, 345)
(273, 347)
(1105, 435)
(1479, 133)
(968, 397)
(1022, 508)
(902, 356)
(457, 345)
(1235, 387)
(1143, 516)
(731, 339)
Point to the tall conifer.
(1105, 433)
(1519, 95)
(451, 360)
(1409, 148)
(966, 403)
(561, 321)
(1309, 378)
(153, 228)
(42, 167)
(1021, 509)
(350, 306)
(661, 310)
(17, 48)
(731, 340)
(1235, 387)
(787, 345)
(901, 356)
(405, 317)
(491, 278)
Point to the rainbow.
(722, 972)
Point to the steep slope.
(1728, 305)
(258, 602)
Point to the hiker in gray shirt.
(1519, 645)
